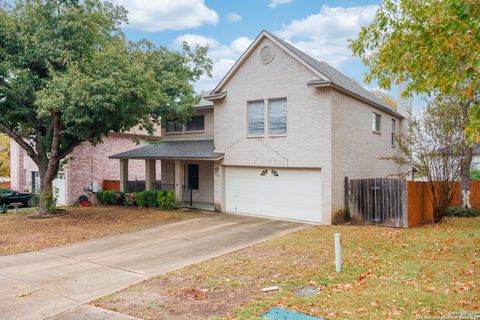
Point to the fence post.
(347, 192)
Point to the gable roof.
(328, 75)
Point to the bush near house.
(151, 198)
(462, 212)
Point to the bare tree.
(437, 147)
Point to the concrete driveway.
(45, 283)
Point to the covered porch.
(187, 169)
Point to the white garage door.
(282, 193)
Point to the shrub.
(110, 197)
(165, 199)
(3, 208)
(462, 212)
(151, 198)
(141, 199)
(129, 199)
(4, 191)
(475, 174)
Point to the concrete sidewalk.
(45, 283)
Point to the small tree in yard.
(436, 147)
(433, 43)
(68, 75)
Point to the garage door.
(282, 193)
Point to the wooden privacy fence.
(379, 201)
(5, 185)
(111, 185)
(420, 200)
(396, 202)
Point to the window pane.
(174, 126)
(375, 122)
(278, 116)
(197, 123)
(255, 118)
(394, 129)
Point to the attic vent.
(267, 54)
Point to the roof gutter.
(325, 84)
(216, 96)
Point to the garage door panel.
(293, 194)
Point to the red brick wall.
(87, 164)
(91, 164)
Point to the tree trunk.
(465, 177)
(46, 193)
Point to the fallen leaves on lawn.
(190, 293)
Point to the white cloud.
(223, 56)
(158, 15)
(195, 39)
(233, 17)
(276, 3)
(324, 35)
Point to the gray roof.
(192, 149)
(336, 77)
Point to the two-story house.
(276, 137)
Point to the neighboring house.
(86, 170)
(476, 158)
(279, 136)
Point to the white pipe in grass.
(338, 252)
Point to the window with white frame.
(277, 116)
(394, 131)
(376, 122)
(255, 118)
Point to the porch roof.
(193, 149)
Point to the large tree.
(68, 75)
(433, 43)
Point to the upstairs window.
(394, 131)
(255, 115)
(196, 123)
(174, 126)
(376, 122)
(277, 116)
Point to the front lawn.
(20, 233)
(389, 274)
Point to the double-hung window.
(277, 116)
(255, 115)
(376, 122)
(196, 123)
(174, 126)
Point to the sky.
(320, 28)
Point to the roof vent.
(267, 54)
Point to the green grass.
(20, 211)
(388, 274)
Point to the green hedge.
(151, 198)
(462, 212)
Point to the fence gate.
(380, 201)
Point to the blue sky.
(320, 28)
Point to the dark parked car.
(14, 196)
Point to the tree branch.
(28, 148)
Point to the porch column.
(123, 174)
(150, 173)
(179, 180)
